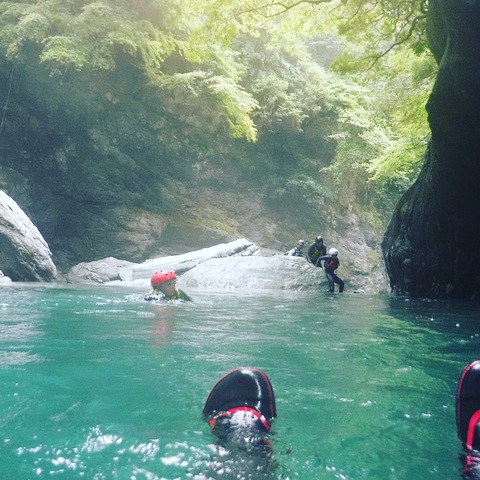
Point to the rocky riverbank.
(239, 263)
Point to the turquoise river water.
(98, 384)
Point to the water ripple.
(16, 358)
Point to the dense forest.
(123, 118)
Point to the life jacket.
(155, 295)
(296, 253)
(318, 252)
(180, 295)
(331, 264)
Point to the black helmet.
(242, 387)
(319, 239)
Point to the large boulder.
(100, 271)
(431, 245)
(238, 264)
(184, 262)
(114, 271)
(24, 254)
(278, 272)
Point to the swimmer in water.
(240, 409)
(164, 287)
(468, 419)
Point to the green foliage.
(14, 29)
(209, 70)
(381, 126)
(237, 105)
(385, 25)
(379, 26)
(100, 36)
(213, 98)
(279, 104)
(403, 107)
(89, 35)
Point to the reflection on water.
(97, 383)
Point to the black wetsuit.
(314, 252)
(330, 265)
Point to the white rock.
(24, 253)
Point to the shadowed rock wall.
(431, 244)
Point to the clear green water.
(98, 384)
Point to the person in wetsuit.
(297, 251)
(468, 419)
(164, 287)
(240, 409)
(317, 249)
(331, 263)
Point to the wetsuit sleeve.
(320, 259)
(291, 253)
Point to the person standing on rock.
(316, 250)
(297, 250)
(164, 287)
(331, 263)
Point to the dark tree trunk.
(431, 246)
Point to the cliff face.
(105, 171)
(430, 246)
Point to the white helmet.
(333, 252)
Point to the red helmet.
(162, 276)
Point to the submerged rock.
(25, 255)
